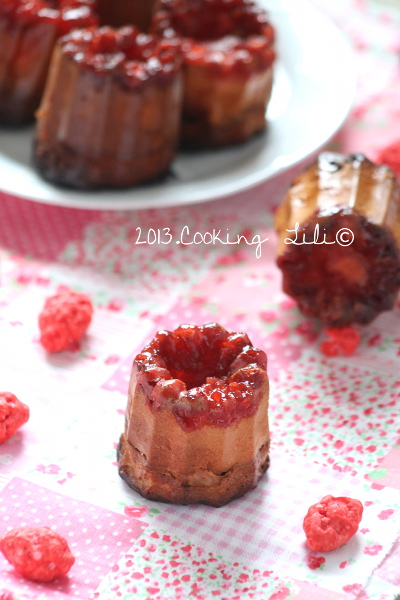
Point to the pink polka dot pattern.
(97, 537)
(119, 380)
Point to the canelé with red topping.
(339, 240)
(228, 57)
(118, 13)
(197, 417)
(111, 108)
(28, 32)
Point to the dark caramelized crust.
(228, 50)
(332, 276)
(203, 374)
(126, 12)
(197, 417)
(102, 122)
(127, 55)
(202, 486)
(28, 32)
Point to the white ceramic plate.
(313, 92)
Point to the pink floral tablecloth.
(335, 422)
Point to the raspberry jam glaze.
(64, 14)
(206, 375)
(228, 35)
(130, 55)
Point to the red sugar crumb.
(390, 156)
(314, 562)
(13, 414)
(341, 341)
(39, 554)
(64, 320)
(332, 522)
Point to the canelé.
(111, 109)
(228, 57)
(28, 32)
(339, 240)
(197, 417)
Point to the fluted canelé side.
(228, 57)
(111, 109)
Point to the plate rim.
(93, 200)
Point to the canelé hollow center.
(193, 354)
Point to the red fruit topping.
(230, 35)
(339, 284)
(64, 320)
(206, 20)
(343, 340)
(332, 522)
(131, 56)
(249, 356)
(39, 554)
(13, 414)
(63, 14)
(390, 156)
(205, 374)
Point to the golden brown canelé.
(28, 32)
(196, 427)
(118, 13)
(111, 109)
(342, 265)
(228, 57)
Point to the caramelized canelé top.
(205, 375)
(65, 15)
(132, 57)
(228, 35)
